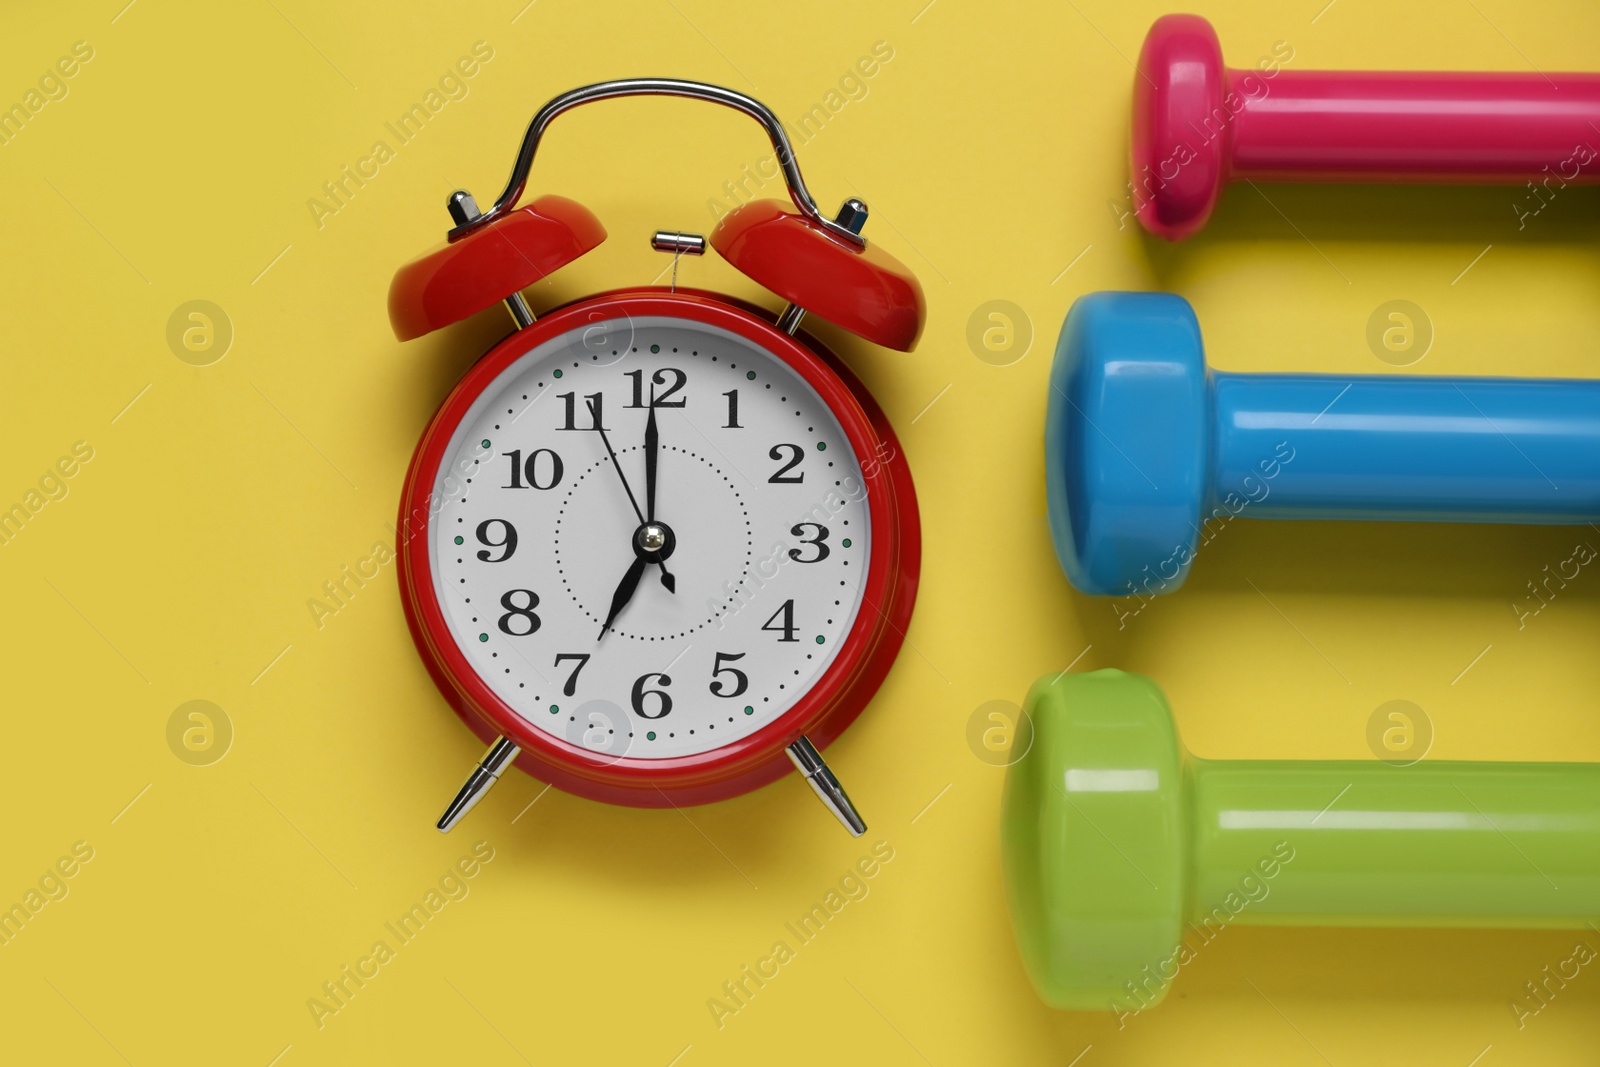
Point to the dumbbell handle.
(1446, 844)
(1413, 448)
(1352, 126)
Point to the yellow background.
(991, 148)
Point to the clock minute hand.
(652, 449)
(666, 577)
(652, 444)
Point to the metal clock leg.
(484, 775)
(809, 762)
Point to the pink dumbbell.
(1198, 124)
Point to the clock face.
(638, 620)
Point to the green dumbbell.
(1116, 842)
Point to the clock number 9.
(508, 542)
(519, 611)
(718, 687)
(531, 468)
(798, 531)
(640, 692)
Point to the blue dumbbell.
(1146, 450)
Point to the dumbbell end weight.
(1087, 922)
(1178, 152)
(1127, 443)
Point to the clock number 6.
(519, 611)
(640, 692)
(508, 542)
(740, 683)
(571, 688)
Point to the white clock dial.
(757, 491)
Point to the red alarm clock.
(657, 544)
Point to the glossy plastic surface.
(1127, 439)
(866, 291)
(1144, 446)
(1198, 124)
(461, 278)
(868, 651)
(1116, 842)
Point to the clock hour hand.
(624, 593)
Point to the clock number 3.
(819, 542)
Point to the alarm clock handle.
(783, 151)
(484, 775)
(808, 761)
